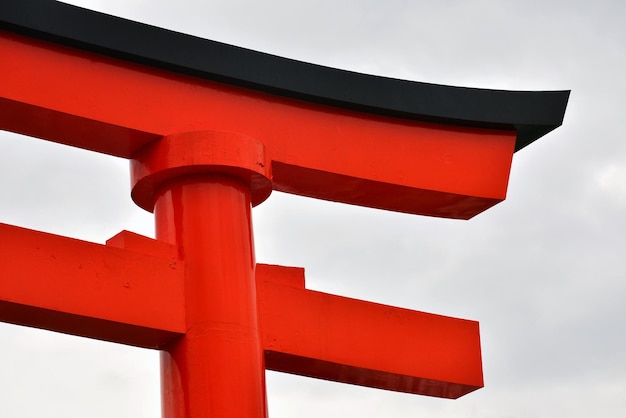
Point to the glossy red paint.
(202, 154)
(203, 206)
(131, 291)
(96, 291)
(48, 91)
(315, 334)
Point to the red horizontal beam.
(91, 290)
(115, 107)
(130, 291)
(368, 344)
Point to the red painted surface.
(202, 154)
(196, 153)
(203, 205)
(81, 288)
(368, 344)
(131, 292)
(48, 91)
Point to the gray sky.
(543, 271)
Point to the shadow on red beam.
(351, 341)
(84, 326)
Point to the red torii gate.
(210, 130)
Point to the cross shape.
(210, 130)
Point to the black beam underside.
(531, 113)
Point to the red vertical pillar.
(202, 187)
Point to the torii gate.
(210, 130)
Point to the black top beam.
(532, 114)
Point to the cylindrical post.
(202, 187)
(217, 369)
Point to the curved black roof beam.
(531, 113)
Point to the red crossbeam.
(115, 107)
(202, 153)
(130, 291)
(368, 344)
(81, 288)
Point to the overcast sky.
(543, 272)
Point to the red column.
(203, 186)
